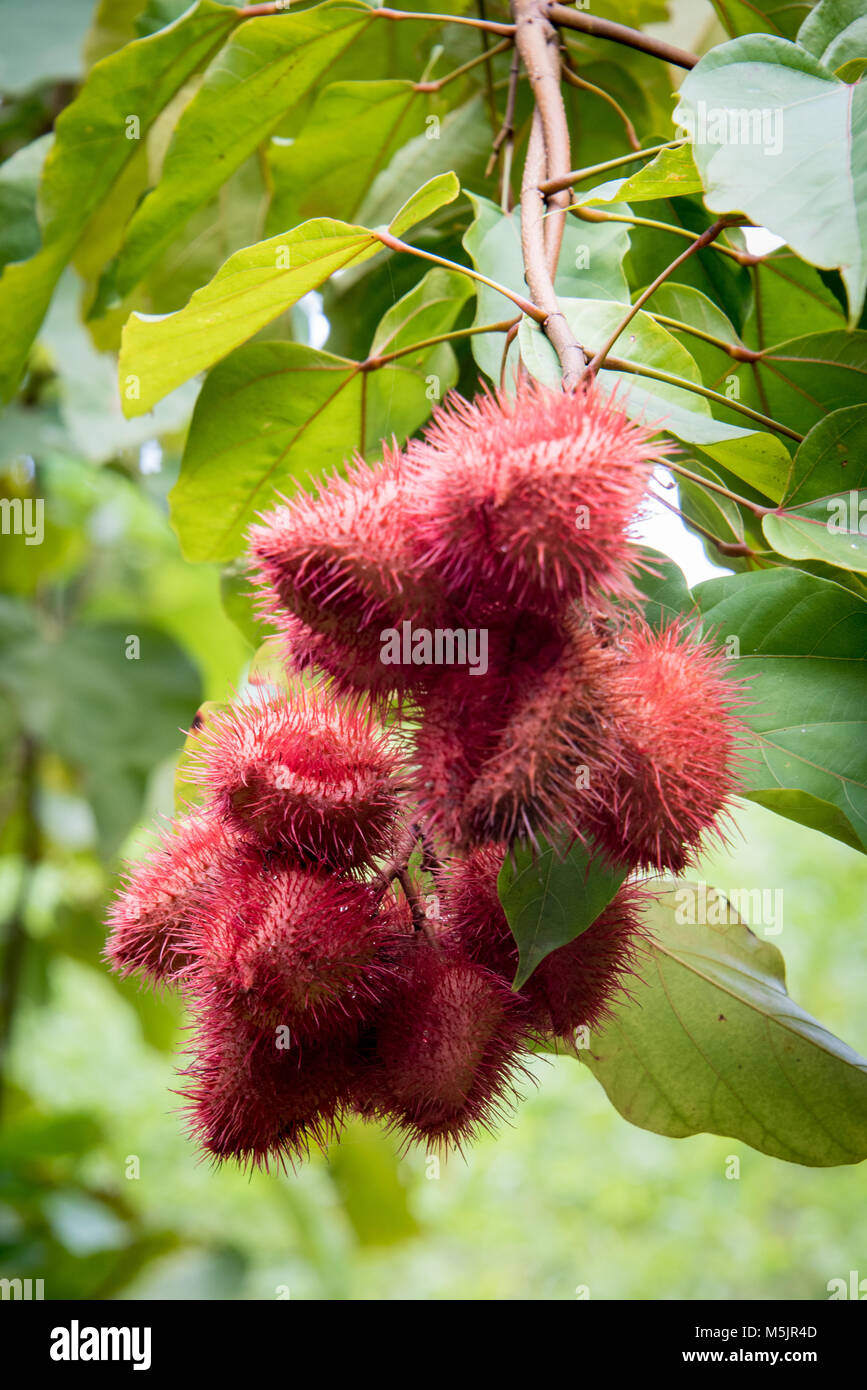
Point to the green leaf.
(265, 69)
(591, 265)
(803, 646)
(664, 588)
(833, 529)
(250, 290)
(711, 1042)
(761, 16)
(349, 136)
(804, 158)
(669, 175)
(801, 381)
(19, 181)
(835, 32)
(433, 195)
(550, 898)
(276, 414)
(833, 457)
(90, 151)
(789, 300)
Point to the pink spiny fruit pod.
(528, 499)
(681, 742)
(448, 1042)
(464, 716)
(256, 1096)
(343, 565)
(291, 946)
(576, 985)
(149, 919)
(559, 735)
(316, 775)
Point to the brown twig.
(619, 33)
(526, 306)
(583, 85)
(506, 136)
(705, 239)
(489, 25)
(571, 355)
(437, 84)
(547, 155)
(579, 175)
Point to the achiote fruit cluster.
(330, 909)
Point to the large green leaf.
(833, 529)
(833, 457)
(93, 144)
(836, 33)
(275, 414)
(803, 643)
(250, 290)
(776, 135)
(801, 381)
(549, 898)
(264, 70)
(711, 1042)
(349, 136)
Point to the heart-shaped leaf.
(711, 1043)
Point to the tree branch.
(619, 33)
(705, 239)
(571, 355)
(578, 175)
(525, 305)
(547, 155)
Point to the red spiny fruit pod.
(528, 499)
(317, 776)
(557, 750)
(464, 716)
(448, 1042)
(681, 743)
(292, 947)
(577, 984)
(342, 564)
(256, 1096)
(149, 919)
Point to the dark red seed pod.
(149, 919)
(528, 499)
(448, 1042)
(680, 743)
(342, 564)
(291, 946)
(256, 1096)
(316, 776)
